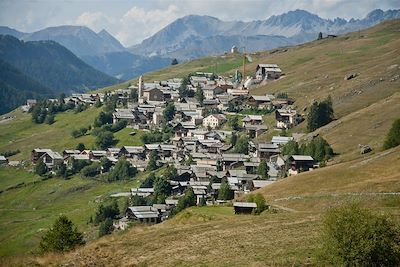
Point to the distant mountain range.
(100, 50)
(196, 36)
(45, 69)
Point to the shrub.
(353, 236)
(109, 211)
(106, 227)
(91, 170)
(40, 168)
(259, 200)
(123, 170)
(63, 236)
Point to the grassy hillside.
(213, 236)
(29, 205)
(365, 107)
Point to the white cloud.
(137, 23)
(94, 20)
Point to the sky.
(131, 21)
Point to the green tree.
(320, 114)
(105, 139)
(352, 236)
(263, 169)
(105, 164)
(162, 189)
(91, 170)
(174, 62)
(98, 103)
(242, 145)
(259, 200)
(63, 236)
(103, 118)
(49, 119)
(319, 36)
(106, 227)
(149, 181)
(200, 95)
(40, 167)
(80, 147)
(187, 200)
(62, 171)
(152, 165)
(290, 148)
(169, 112)
(233, 139)
(393, 136)
(106, 211)
(233, 122)
(225, 192)
(123, 170)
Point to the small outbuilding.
(244, 207)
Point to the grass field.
(32, 207)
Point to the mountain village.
(200, 148)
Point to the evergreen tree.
(242, 145)
(225, 192)
(290, 148)
(188, 200)
(40, 167)
(233, 139)
(169, 112)
(63, 236)
(174, 62)
(263, 169)
(106, 227)
(91, 170)
(320, 114)
(162, 189)
(393, 136)
(319, 36)
(152, 165)
(149, 181)
(200, 95)
(80, 147)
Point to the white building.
(214, 120)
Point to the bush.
(109, 211)
(105, 140)
(393, 136)
(188, 200)
(259, 200)
(353, 236)
(40, 168)
(106, 227)
(123, 170)
(10, 153)
(91, 170)
(80, 132)
(63, 236)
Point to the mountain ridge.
(296, 26)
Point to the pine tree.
(263, 169)
(169, 111)
(152, 165)
(225, 192)
(63, 236)
(200, 95)
(393, 136)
